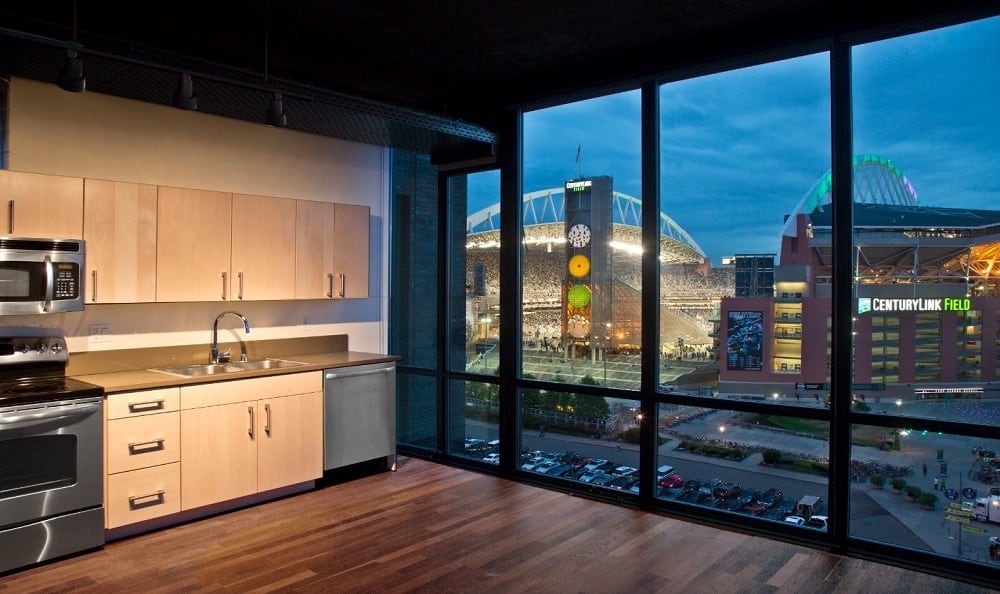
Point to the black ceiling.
(424, 76)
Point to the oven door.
(51, 460)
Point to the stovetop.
(33, 370)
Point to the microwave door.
(50, 280)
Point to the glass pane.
(414, 301)
(768, 466)
(589, 440)
(416, 410)
(475, 287)
(745, 299)
(927, 224)
(581, 247)
(473, 415)
(924, 490)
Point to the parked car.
(726, 491)
(749, 496)
(672, 481)
(817, 522)
(545, 466)
(596, 464)
(663, 471)
(796, 520)
(770, 498)
(559, 470)
(492, 458)
(623, 482)
(624, 471)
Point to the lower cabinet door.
(143, 494)
(218, 453)
(291, 440)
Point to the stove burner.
(45, 389)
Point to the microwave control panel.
(66, 283)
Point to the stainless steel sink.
(204, 369)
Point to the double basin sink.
(204, 369)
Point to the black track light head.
(276, 112)
(71, 76)
(184, 97)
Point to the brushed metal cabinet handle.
(135, 498)
(223, 286)
(239, 276)
(146, 405)
(146, 445)
(329, 280)
(267, 419)
(93, 285)
(250, 430)
(10, 216)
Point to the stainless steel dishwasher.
(359, 412)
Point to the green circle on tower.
(579, 296)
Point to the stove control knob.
(41, 347)
(57, 347)
(23, 347)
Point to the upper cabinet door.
(351, 251)
(314, 273)
(193, 237)
(39, 205)
(263, 251)
(119, 226)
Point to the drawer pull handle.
(147, 405)
(146, 446)
(267, 419)
(135, 500)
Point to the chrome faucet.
(218, 357)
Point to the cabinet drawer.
(146, 402)
(143, 441)
(143, 494)
(245, 390)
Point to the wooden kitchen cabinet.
(263, 248)
(143, 447)
(248, 436)
(331, 250)
(193, 240)
(314, 250)
(119, 226)
(41, 205)
(351, 251)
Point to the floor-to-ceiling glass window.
(473, 240)
(580, 302)
(744, 291)
(927, 239)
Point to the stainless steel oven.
(51, 455)
(41, 275)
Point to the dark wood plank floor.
(433, 528)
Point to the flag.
(578, 147)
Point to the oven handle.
(50, 282)
(48, 414)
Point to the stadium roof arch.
(545, 209)
(876, 180)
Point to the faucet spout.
(218, 357)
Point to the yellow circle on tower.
(579, 265)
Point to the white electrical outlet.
(100, 333)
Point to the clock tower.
(587, 286)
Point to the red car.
(672, 481)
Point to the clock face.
(578, 235)
(579, 265)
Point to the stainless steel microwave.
(41, 275)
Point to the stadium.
(926, 286)
(903, 251)
(690, 291)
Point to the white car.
(492, 458)
(818, 522)
(796, 520)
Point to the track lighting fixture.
(276, 112)
(71, 76)
(184, 97)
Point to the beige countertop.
(124, 371)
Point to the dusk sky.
(739, 149)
